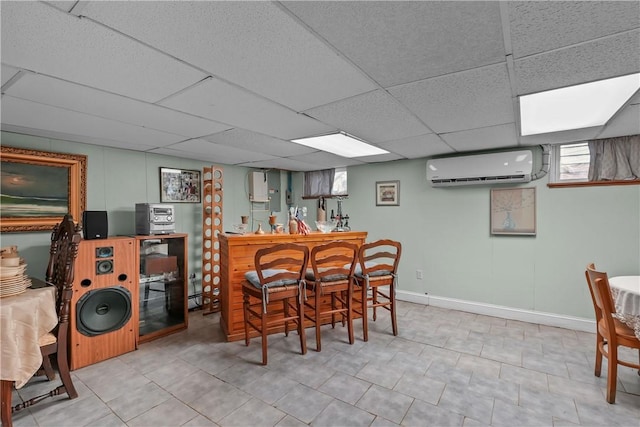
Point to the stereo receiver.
(155, 218)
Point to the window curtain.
(615, 158)
(318, 183)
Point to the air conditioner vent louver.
(491, 168)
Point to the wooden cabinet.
(162, 280)
(237, 257)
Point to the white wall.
(444, 231)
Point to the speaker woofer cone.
(103, 310)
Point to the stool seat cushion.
(252, 277)
(330, 278)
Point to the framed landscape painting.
(37, 188)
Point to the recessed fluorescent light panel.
(575, 107)
(341, 144)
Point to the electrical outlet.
(419, 274)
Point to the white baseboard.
(542, 318)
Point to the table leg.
(6, 388)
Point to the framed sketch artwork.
(388, 193)
(38, 188)
(513, 211)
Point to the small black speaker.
(103, 310)
(95, 225)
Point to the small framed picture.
(179, 186)
(388, 193)
(513, 211)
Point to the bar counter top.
(237, 253)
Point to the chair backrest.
(592, 289)
(281, 263)
(379, 258)
(63, 251)
(603, 304)
(333, 261)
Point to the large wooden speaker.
(104, 308)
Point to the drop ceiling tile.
(460, 101)
(381, 158)
(417, 147)
(222, 102)
(65, 6)
(251, 141)
(219, 153)
(374, 117)
(92, 140)
(256, 45)
(400, 42)
(542, 26)
(625, 123)
(54, 92)
(7, 73)
(46, 40)
(604, 58)
(561, 137)
(501, 136)
(324, 160)
(208, 157)
(18, 112)
(281, 163)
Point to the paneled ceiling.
(230, 82)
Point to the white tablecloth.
(24, 319)
(626, 296)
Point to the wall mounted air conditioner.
(490, 168)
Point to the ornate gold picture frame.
(38, 188)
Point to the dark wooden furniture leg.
(6, 390)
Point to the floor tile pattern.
(445, 368)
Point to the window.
(571, 162)
(325, 183)
(608, 161)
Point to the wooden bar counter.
(237, 253)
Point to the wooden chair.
(63, 251)
(332, 274)
(610, 332)
(278, 276)
(377, 269)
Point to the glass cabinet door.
(162, 284)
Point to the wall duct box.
(258, 187)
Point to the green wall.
(118, 179)
(444, 231)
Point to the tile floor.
(446, 368)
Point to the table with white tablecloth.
(24, 318)
(626, 297)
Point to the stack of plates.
(13, 280)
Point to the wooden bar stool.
(377, 268)
(331, 274)
(279, 276)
